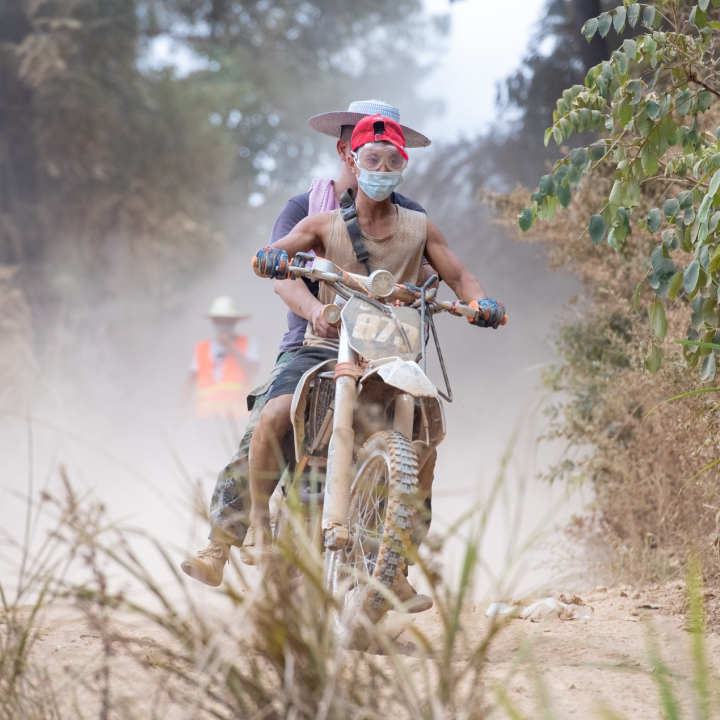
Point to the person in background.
(230, 502)
(223, 367)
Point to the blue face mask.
(379, 185)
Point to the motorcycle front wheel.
(381, 513)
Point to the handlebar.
(377, 287)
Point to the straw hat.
(331, 123)
(224, 307)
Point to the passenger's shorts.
(306, 358)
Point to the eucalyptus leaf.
(708, 368)
(714, 184)
(648, 15)
(630, 48)
(653, 362)
(670, 207)
(547, 185)
(564, 195)
(616, 193)
(675, 285)
(653, 109)
(597, 228)
(579, 158)
(654, 219)
(604, 22)
(619, 19)
(682, 102)
(691, 274)
(703, 5)
(636, 296)
(703, 100)
(525, 219)
(597, 151)
(621, 62)
(633, 13)
(662, 266)
(590, 28)
(658, 320)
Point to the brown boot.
(412, 602)
(255, 547)
(208, 566)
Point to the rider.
(230, 502)
(397, 239)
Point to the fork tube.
(404, 414)
(340, 451)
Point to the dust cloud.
(120, 419)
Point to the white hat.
(224, 307)
(331, 123)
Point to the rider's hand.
(322, 327)
(271, 263)
(491, 313)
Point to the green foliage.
(648, 100)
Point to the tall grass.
(266, 647)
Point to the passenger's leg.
(230, 504)
(265, 467)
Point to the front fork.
(338, 483)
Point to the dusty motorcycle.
(364, 425)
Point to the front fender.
(405, 375)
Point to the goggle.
(374, 155)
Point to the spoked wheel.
(380, 521)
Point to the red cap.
(376, 128)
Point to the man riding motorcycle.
(395, 239)
(229, 507)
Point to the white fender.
(405, 375)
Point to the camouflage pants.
(230, 504)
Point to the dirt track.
(585, 665)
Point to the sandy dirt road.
(583, 665)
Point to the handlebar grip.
(331, 314)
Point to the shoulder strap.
(349, 214)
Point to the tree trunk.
(20, 229)
(594, 52)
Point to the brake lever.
(301, 260)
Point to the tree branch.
(694, 78)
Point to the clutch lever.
(301, 260)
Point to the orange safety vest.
(228, 396)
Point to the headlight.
(382, 283)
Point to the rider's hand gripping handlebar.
(490, 313)
(272, 263)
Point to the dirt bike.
(364, 425)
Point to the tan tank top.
(401, 253)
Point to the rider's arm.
(307, 235)
(449, 267)
(297, 296)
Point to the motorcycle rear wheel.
(381, 513)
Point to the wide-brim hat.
(331, 123)
(223, 307)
